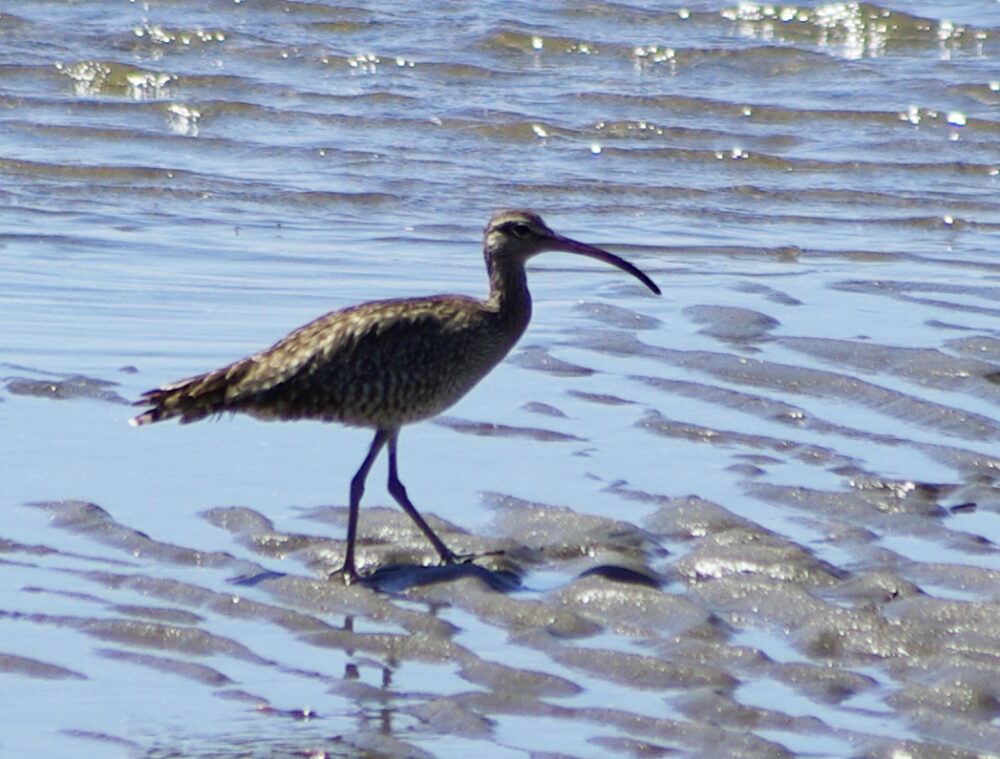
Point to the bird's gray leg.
(397, 491)
(357, 490)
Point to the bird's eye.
(521, 230)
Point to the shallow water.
(754, 517)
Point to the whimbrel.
(386, 363)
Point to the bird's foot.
(347, 575)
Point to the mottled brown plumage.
(386, 363)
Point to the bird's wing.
(366, 334)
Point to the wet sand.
(693, 627)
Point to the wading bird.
(386, 363)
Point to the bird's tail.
(148, 417)
(192, 399)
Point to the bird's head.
(512, 237)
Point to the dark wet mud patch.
(616, 316)
(544, 409)
(539, 359)
(12, 546)
(768, 293)
(11, 664)
(61, 387)
(739, 326)
(601, 399)
(492, 429)
(983, 347)
(198, 672)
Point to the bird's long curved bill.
(572, 246)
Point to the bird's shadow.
(394, 578)
(399, 577)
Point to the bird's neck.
(509, 297)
